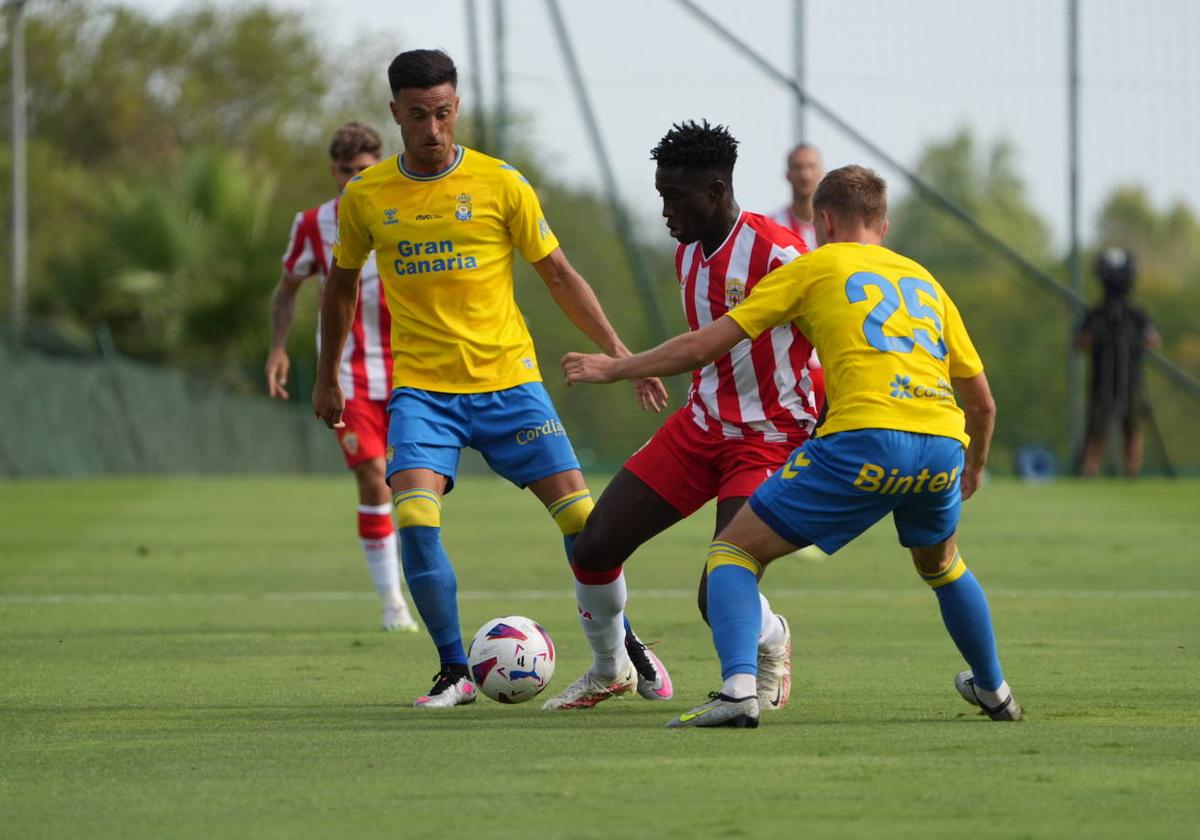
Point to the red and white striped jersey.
(762, 388)
(366, 368)
(805, 230)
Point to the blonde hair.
(853, 193)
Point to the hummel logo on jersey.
(389, 216)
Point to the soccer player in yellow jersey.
(895, 352)
(443, 221)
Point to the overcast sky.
(905, 74)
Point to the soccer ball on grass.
(511, 659)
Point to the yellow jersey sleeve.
(527, 226)
(964, 359)
(776, 299)
(352, 244)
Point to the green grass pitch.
(199, 658)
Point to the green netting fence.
(73, 416)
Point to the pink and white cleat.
(653, 681)
(449, 689)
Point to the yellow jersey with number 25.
(444, 246)
(888, 335)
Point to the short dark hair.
(853, 192)
(354, 139)
(802, 147)
(693, 146)
(422, 69)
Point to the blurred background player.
(893, 441)
(1117, 332)
(465, 373)
(804, 171)
(365, 369)
(745, 413)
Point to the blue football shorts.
(835, 487)
(516, 430)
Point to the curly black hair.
(697, 146)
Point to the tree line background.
(168, 156)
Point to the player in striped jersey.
(894, 441)
(365, 370)
(746, 410)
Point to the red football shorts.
(365, 434)
(687, 465)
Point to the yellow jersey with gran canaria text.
(444, 247)
(888, 335)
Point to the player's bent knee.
(571, 511)
(593, 551)
(722, 553)
(939, 572)
(418, 507)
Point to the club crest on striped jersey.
(735, 291)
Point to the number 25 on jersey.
(924, 327)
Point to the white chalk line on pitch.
(563, 594)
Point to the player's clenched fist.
(328, 403)
(588, 367)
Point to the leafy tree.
(1022, 331)
(115, 93)
(176, 269)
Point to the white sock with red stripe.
(601, 598)
(378, 537)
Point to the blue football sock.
(969, 621)
(434, 589)
(734, 612)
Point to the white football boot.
(592, 688)
(396, 616)
(775, 672)
(1006, 710)
(721, 710)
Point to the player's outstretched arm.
(579, 302)
(338, 302)
(683, 353)
(283, 310)
(975, 396)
